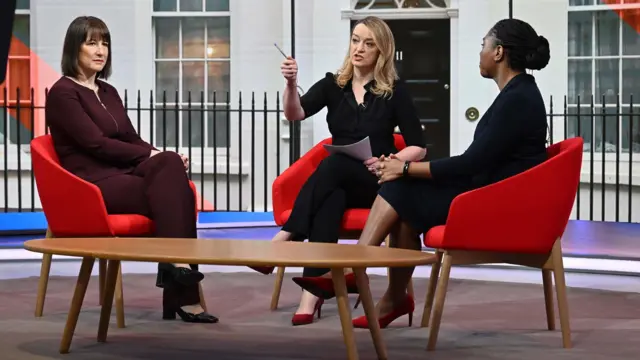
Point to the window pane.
(631, 128)
(166, 129)
(164, 5)
(23, 4)
(630, 79)
(167, 76)
(194, 116)
(580, 28)
(218, 37)
(607, 33)
(193, 38)
(21, 28)
(218, 80)
(190, 5)
(167, 38)
(580, 128)
(630, 30)
(579, 81)
(217, 5)
(217, 126)
(192, 79)
(607, 132)
(580, 2)
(607, 81)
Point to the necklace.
(94, 87)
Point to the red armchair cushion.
(130, 225)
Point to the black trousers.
(157, 188)
(339, 183)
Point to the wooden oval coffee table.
(337, 257)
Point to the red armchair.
(519, 221)
(286, 187)
(75, 208)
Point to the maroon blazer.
(92, 135)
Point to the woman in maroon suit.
(96, 141)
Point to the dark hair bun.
(539, 58)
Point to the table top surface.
(231, 252)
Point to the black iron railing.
(238, 147)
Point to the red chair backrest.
(62, 194)
(524, 213)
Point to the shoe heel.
(168, 314)
(410, 318)
(319, 311)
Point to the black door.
(423, 62)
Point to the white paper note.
(360, 150)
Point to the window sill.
(197, 167)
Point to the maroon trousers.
(157, 188)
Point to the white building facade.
(224, 46)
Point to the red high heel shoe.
(304, 319)
(267, 270)
(322, 287)
(406, 308)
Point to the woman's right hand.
(289, 69)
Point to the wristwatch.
(405, 169)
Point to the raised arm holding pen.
(364, 98)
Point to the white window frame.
(623, 157)
(196, 151)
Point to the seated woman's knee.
(334, 164)
(169, 159)
(398, 186)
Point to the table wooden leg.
(370, 312)
(340, 287)
(113, 268)
(76, 303)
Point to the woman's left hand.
(185, 161)
(389, 168)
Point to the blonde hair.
(384, 73)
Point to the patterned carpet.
(482, 320)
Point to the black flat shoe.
(168, 273)
(201, 318)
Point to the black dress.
(341, 182)
(510, 138)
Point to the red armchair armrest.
(287, 185)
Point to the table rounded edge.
(425, 259)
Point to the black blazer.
(510, 138)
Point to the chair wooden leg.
(441, 293)
(431, 290)
(277, 288)
(547, 284)
(119, 298)
(42, 283)
(102, 271)
(561, 293)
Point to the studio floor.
(490, 313)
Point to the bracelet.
(405, 169)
